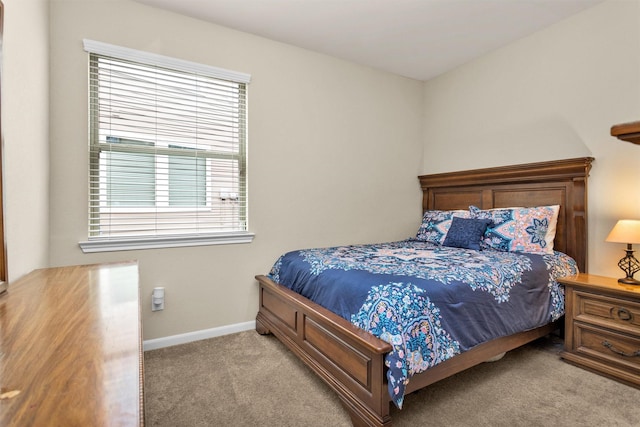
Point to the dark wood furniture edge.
(4, 273)
(595, 283)
(325, 342)
(541, 171)
(599, 368)
(629, 132)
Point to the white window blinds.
(167, 148)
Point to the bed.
(352, 361)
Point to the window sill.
(124, 244)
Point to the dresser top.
(70, 350)
(601, 283)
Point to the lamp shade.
(625, 231)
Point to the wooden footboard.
(348, 359)
(351, 360)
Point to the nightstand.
(602, 326)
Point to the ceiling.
(419, 39)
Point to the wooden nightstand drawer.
(602, 326)
(607, 311)
(608, 346)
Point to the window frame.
(118, 243)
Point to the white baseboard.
(197, 335)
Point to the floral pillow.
(435, 224)
(530, 230)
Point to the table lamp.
(627, 231)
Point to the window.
(167, 152)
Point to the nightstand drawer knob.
(620, 352)
(624, 314)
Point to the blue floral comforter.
(429, 302)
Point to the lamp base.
(630, 265)
(629, 281)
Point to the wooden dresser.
(71, 349)
(602, 330)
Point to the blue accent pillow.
(466, 233)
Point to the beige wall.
(334, 151)
(334, 148)
(552, 95)
(25, 124)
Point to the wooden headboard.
(559, 182)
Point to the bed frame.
(351, 360)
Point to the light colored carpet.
(246, 379)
